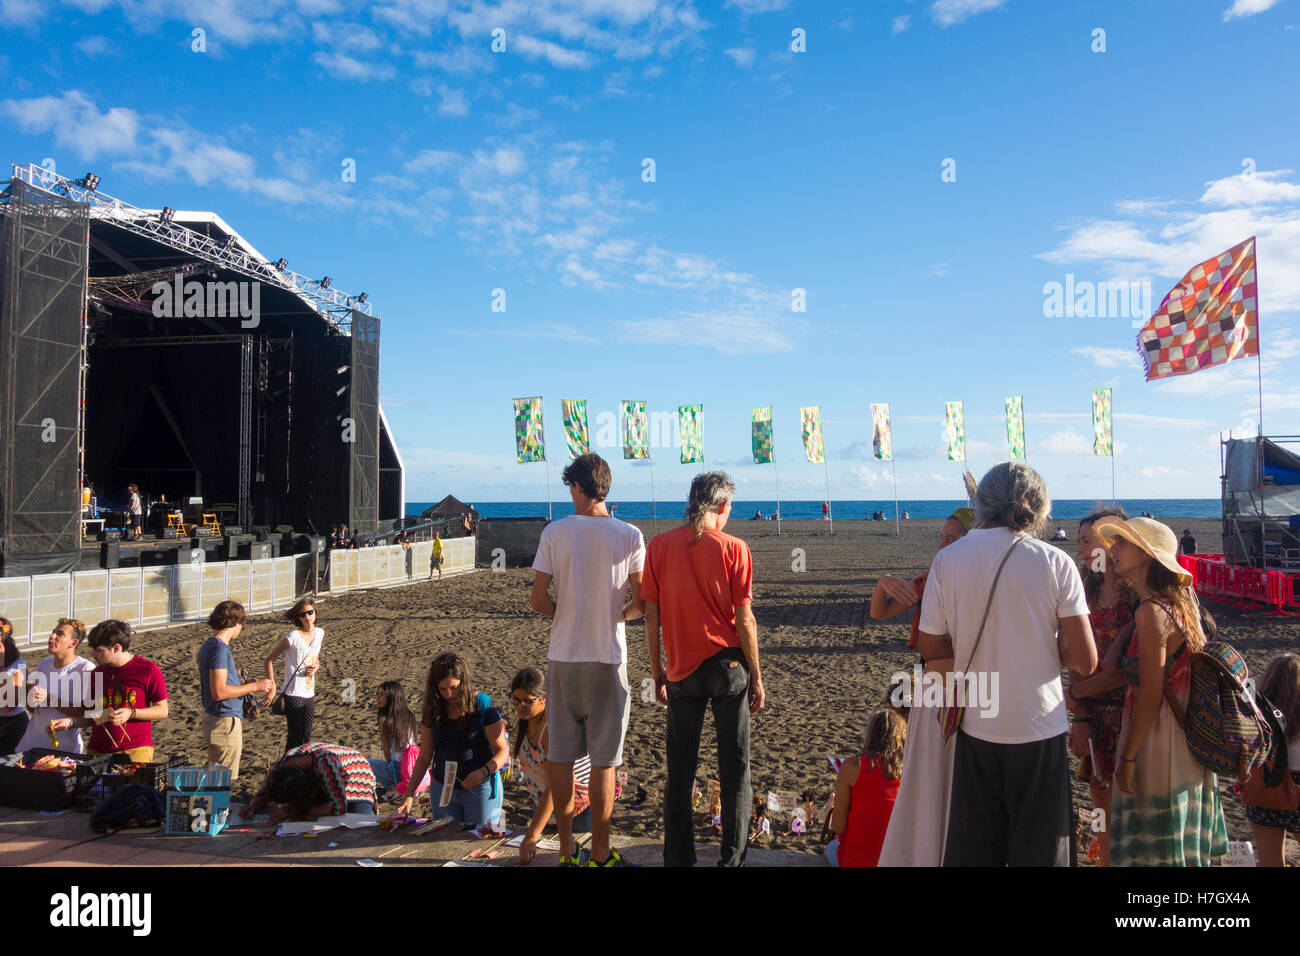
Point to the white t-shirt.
(10, 691)
(1018, 659)
(296, 658)
(62, 685)
(590, 560)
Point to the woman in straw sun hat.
(1167, 810)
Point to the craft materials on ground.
(433, 827)
(350, 821)
(368, 862)
(545, 843)
(465, 863)
(1240, 853)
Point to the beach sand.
(826, 665)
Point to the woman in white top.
(13, 678)
(136, 508)
(59, 679)
(301, 650)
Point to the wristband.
(133, 713)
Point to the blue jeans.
(476, 806)
(832, 851)
(387, 773)
(582, 822)
(361, 806)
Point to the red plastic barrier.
(1188, 563)
(1256, 588)
(1279, 585)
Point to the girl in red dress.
(865, 793)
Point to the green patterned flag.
(530, 444)
(575, 426)
(954, 427)
(882, 436)
(688, 421)
(1101, 423)
(810, 420)
(1016, 426)
(636, 432)
(763, 435)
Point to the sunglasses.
(524, 701)
(306, 613)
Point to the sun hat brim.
(1108, 529)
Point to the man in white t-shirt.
(592, 557)
(63, 677)
(1010, 800)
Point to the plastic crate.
(148, 775)
(45, 789)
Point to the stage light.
(281, 264)
(339, 393)
(230, 244)
(343, 368)
(362, 297)
(325, 282)
(89, 181)
(167, 214)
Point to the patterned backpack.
(1226, 730)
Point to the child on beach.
(399, 739)
(762, 827)
(865, 793)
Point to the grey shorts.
(587, 706)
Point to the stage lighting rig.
(281, 265)
(167, 214)
(325, 282)
(89, 181)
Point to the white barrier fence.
(393, 564)
(156, 596)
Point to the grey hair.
(1013, 495)
(708, 490)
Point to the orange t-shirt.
(697, 585)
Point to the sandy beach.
(826, 664)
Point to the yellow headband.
(964, 517)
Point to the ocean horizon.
(1065, 509)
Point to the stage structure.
(1261, 502)
(158, 347)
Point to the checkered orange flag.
(1209, 318)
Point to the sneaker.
(579, 860)
(615, 859)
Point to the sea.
(1062, 509)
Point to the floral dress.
(1175, 817)
(1106, 710)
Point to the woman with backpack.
(1167, 810)
(1273, 811)
(460, 729)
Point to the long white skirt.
(918, 827)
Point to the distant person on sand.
(1011, 788)
(826, 509)
(758, 515)
(1060, 535)
(919, 825)
(865, 793)
(1096, 701)
(906, 516)
(435, 556)
(592, 557)
(699, 587)
(1167, 811)
(1186, 544)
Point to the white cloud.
(560, 57)
(743, 57)
(1263, 188)
(345, 67)
(1247, 8)
(432, 161)
(353, 36)
(750, 7)
(1068, 442)
(731, 333)
(453, 102)
(948, 13)
(96, 46)
(900, 24)
(76, 123)
(1109, 358)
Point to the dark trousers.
(11, 731)
(723, 682)
(1010, 804)
(299, 714)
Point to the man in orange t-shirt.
(698, 585)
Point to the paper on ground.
(545, 843)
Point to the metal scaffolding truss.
(333, 305)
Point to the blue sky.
(774, 170)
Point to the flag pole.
(898, 528)
(654, 505)
(549, 516)
(830, 509)
(777, 472)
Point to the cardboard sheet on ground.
(350, 821)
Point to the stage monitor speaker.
(202, 531)
(255, 550)
(163, 534)
(235, 529)
(110, 553)
(110, 534)
(261, 531)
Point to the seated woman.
(865, 793)
(460, 729)
(316, 780)
(399, 738)
(528, 691)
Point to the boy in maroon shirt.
(133, 691)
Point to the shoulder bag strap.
(989, 606)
